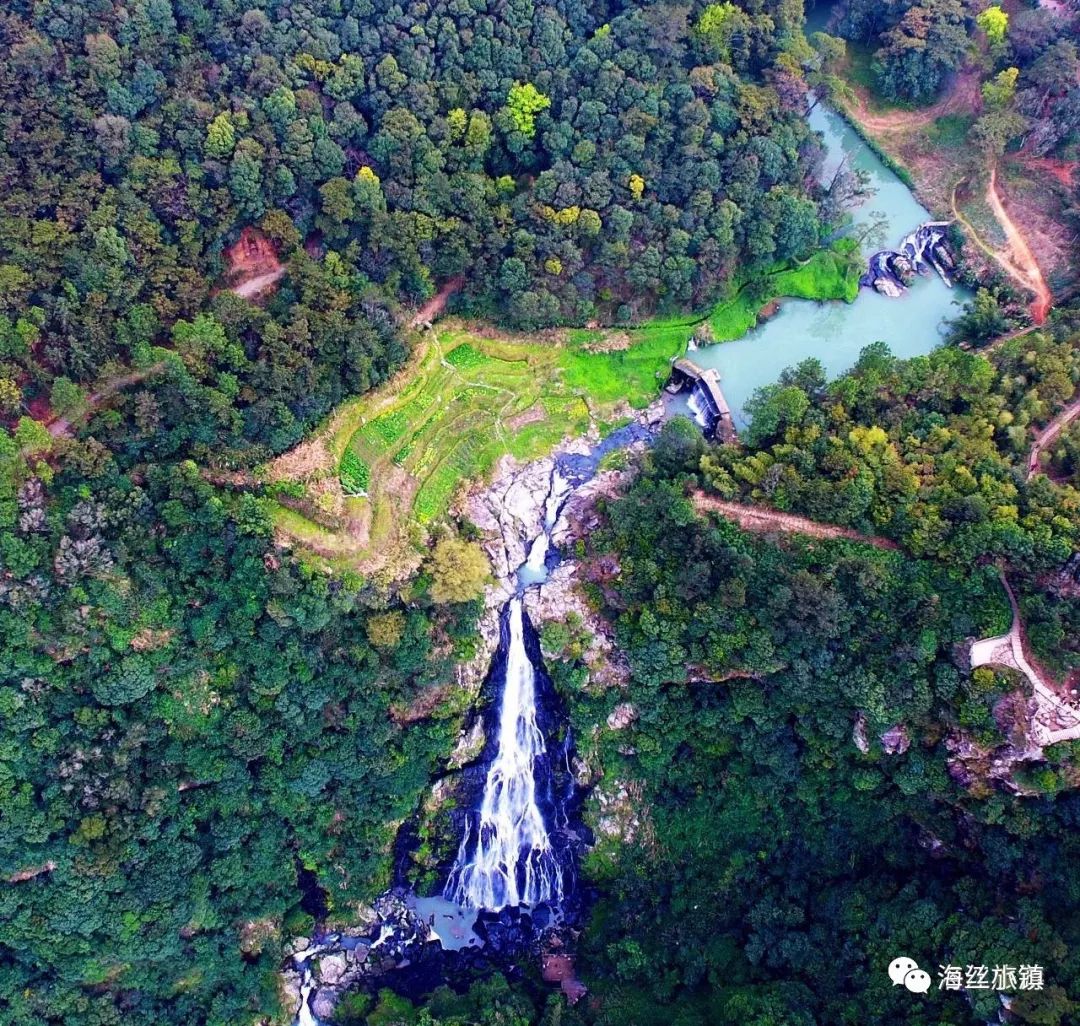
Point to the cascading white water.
(533, 570)
(701, 418)
(507, 857)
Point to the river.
(835, 332)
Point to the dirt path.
(1017, 261)
(999, 341)
(963, 96)
(762, 520)
(1023, 264)
(253, 287)
(60, 427)
(1052, 719)
(437, 303)
(253, 264)
(1049, 433)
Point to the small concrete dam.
(707, 401)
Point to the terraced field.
(473, 400)
(395, 458)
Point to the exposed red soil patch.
(559, 968)
(39, 409)
(437, 303)
(1021, 261)
(1063, 170)
(253, 264)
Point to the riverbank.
(834, 333)
(831, 274)
(468, 396)
(1011, 211)
(391, 461)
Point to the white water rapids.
(506, 857)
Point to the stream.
(514, 874)
(835, 332)
(511, 886)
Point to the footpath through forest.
(1049, 433)
(1053, 719)
(763, 520)
(60, 427)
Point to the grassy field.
(464, 401)
(829, 274)
(391, 461)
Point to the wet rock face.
(891, 272)
(400, 951)
(510, 512)
(323, 968)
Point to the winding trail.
(962, 96)
(1049, 433)
(1053, 719)
(1018, 262)
(763, 520)
(60, 427)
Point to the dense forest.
(201, 728)
(565, 158)
(1028, 62)
(778, 868)
(775, 866)
(194, 718)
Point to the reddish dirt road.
(437, 303)
(253, 287)
(962, 97)
(1049, 433)
(1020, 262)
(763, 520)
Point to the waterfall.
(701, 416)
(506, 856)
(534, 569)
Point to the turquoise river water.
(836, 332)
